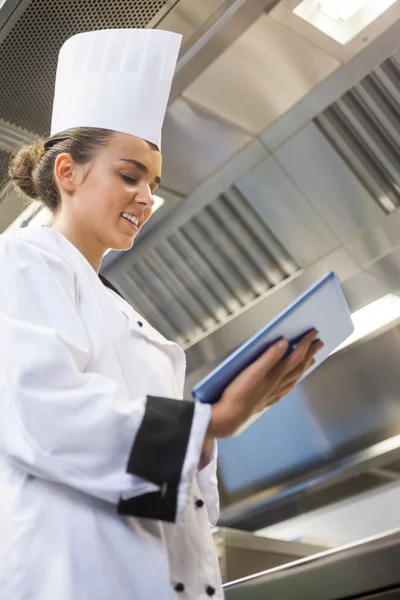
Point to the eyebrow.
(141, 167)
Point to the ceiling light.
(375, 316)
(341, 10)
(342, 20)
(158, 202)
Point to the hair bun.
(22, 168)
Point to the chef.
(107, 476)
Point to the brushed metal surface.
(243, 553)
(195, 145)
(330, 90)
(355, 571)
(286, 210)
(263, 74)
(224, 24)
(364, 127)
(328, 183)
(283, 13)
(377, 241)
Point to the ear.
(65, 172)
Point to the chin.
(122, 244)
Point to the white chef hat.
(117, 79)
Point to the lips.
(135, 219)
(131, 225)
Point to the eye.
(128, 179)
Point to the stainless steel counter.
(355, 571)
(241, 553)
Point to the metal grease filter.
(28, 55)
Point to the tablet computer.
(322, 307)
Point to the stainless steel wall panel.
(195, 145)
(282, 206)
(263, 74)
(328, 183)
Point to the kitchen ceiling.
(363, 126)
(28, 54)
(189, 158)
(214, 265)
(262, 75)
(280, 153)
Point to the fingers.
(280, 393)
(293, 376)
(287, 384)
(251, 380)
(306, 348)
(293, 367)
(315, 347)
(269, 359)
(283, 379)
(308, 362)
(269, 374)
(283, 391)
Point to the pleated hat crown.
(117, 79)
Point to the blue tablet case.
(323, 307)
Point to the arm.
(65, 424)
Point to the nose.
(145, 197)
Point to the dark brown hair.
(31, 168)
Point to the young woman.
(107, 477)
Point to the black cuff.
(158, 455)
(156, 505)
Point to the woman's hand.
(263, 383)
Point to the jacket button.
(210, 591)
(140, 323)
(179, 587)
(199, 503)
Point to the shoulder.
(36, 253)
(35, 242)
(40, 238)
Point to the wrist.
(221, 425)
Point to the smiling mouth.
(131, 220)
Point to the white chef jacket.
(102, 491)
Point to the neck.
(87, 244)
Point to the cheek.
(105, 198)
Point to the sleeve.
(63, 423)
(208, 482)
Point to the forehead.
(126, 146)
